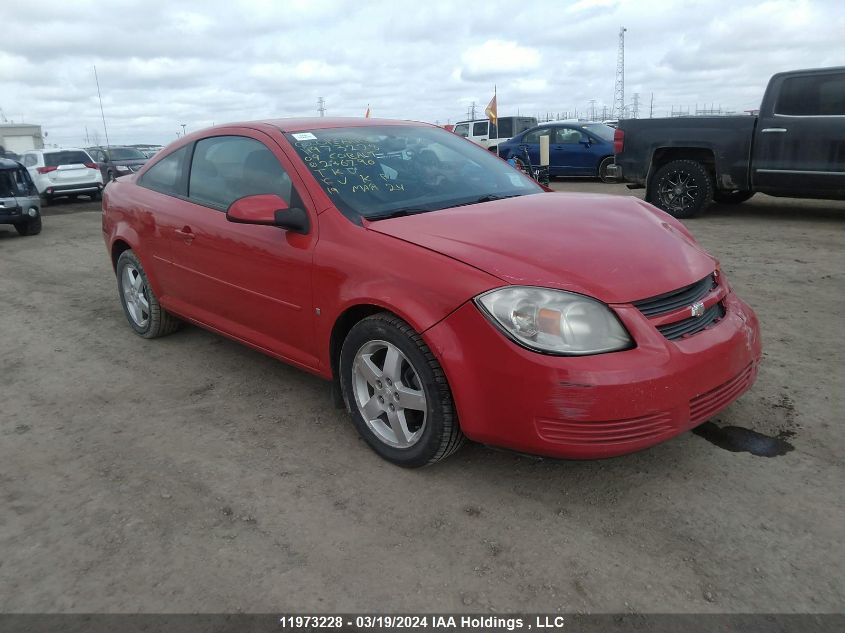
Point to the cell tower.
(619, 90)
(321, 106)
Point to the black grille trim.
(692, 325)
(671, 301)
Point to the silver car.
(19, 201)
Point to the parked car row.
(74, 171)
(575, 148)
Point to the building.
(20, 137)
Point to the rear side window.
(505, 128)
(226, 168)
(479, 129)
(166, 176)
(71, 157)
(812, 95)
(29, 160)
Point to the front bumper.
(594, 406)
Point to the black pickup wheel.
(682, 188)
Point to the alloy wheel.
(388, 393)
(135, 296)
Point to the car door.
(572, 153)
(249, 281)
(799, 147)
(480, 133)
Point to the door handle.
(773, 130)
(186, 233)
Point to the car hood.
(615, 248)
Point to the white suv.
(63, 172)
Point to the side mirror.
(268, 210)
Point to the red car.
(445, 294)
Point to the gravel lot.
(193, 474)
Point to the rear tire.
(731, 197)
(140, 304)
(402, 408)
(602, 171)
(681, 188)
(31, 227)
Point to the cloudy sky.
(161, 64)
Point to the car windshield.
(382, 171)
(69, 157)
(125, 153)
(604, 132)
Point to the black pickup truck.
(794, 148)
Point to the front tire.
(682, 188)
(397, 393)
(32, 227)
(140, 304)
(603, 167)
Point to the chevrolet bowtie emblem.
(696, 309)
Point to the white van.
(481, 131)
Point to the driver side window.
(226, 168)
(534, 137)
(568, 136)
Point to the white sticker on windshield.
(516, 180)
(304, 136)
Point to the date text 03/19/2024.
(428, 622)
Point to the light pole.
(183, 129)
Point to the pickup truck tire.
(731, 197)
(602, 172)
(682, 188)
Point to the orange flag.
(490, 111)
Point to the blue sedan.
(575, 149)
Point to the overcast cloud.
(162, 64)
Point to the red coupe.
(444, 293)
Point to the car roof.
(304, 124)
(8, 163)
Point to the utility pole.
(183, 129)
(636, 108)
(321, 106)
(619, 89)
(651, 107)
(471, 111)
(592, 109)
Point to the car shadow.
(770, 208)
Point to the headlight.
(554, 321)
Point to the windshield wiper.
(487, 198)
(396, 213)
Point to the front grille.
(669, 301)
(690, 326)
(586, 433)
(708, 404)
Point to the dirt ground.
(193, 474)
